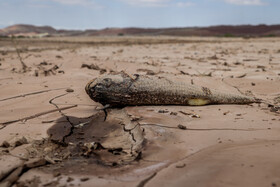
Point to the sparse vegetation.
(229, 35)
(270, 35)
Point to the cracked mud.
(113, 142)
(53, 134)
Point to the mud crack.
(32, 93)
(64, 115)
(129, 131)
(34, 116)
(145, 181)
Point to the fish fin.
(198, 102)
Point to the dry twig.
(24, 66)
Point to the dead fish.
(124, 90)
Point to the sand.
(222, 145)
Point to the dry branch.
(24, 66)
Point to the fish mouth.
(90, 87)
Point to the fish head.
(99, 87)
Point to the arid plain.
(53, 134)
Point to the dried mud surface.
(52, 134)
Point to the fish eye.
(98, 85)
(92, 89)
(107, 81)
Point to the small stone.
(56, 174)
(84, 179)
(5, 144)
(163, 111)
(69, 179)
(225, 113)
(182, 127)
(21, 141)
(44, 63)
(48, 149)
(173, 113)
(69, 90)
(180, 166)
(5, 151)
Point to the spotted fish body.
(123, 90)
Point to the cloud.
(184, 4)
(156, 3)
(38, 5)
(147, 3)
(5, 22)
(87, 3)
(246, 2)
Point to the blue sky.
(97, 14)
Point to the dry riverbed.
(52, 133)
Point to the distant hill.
(17, 29)
(223, 30)
(31, 30)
